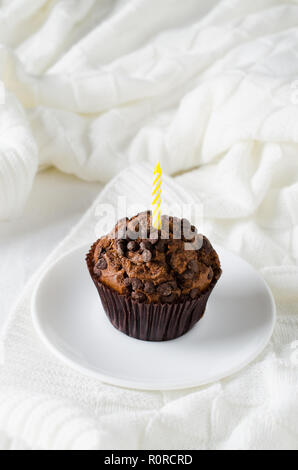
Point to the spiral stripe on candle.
(156, 194)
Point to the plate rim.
(125, 383)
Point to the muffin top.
(173, 264)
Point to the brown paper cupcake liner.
(147, 321)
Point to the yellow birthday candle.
(156, 194)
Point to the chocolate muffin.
(154, 284)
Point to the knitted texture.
(45, 404)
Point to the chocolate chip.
(169, 299)
(121, 247)
(136, 284)
(138, 296)
(145, 245)
(187, 283)
(127, 282)
(97, 271)
(188, 274)
(194, 293)
(161, 246)
(132, 246)
(120, 251)
(164, 289)
(147, 256)
(149, 287)
(168, 259)
(206, 246)
(101, 264)
(210, 274)
(193, 265)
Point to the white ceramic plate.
(237, 325)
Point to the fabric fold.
(45, 404)
(124, 82)
(210, 89)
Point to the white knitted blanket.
(47, 405)
(96, 84)
(93, 86)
